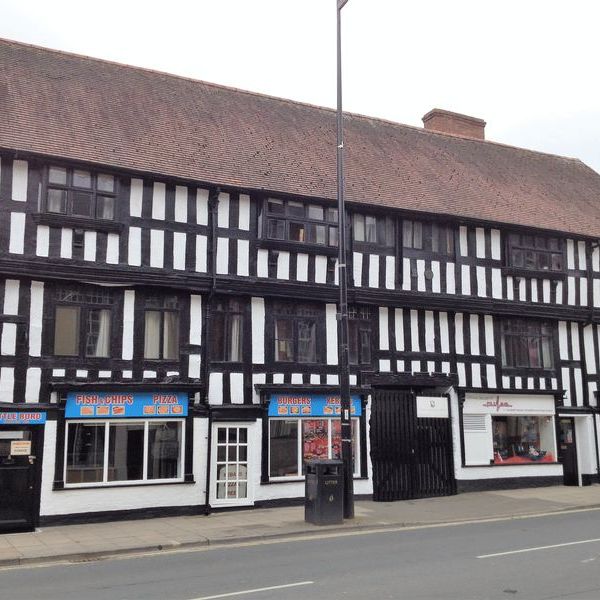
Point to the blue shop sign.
(116, 405)
(22, 418)
(310, 405)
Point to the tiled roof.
(81, 108)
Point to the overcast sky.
(527, 67)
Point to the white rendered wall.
(73, 501)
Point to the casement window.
(295, 332)
(294, 221)
(227, 333)
(161, 332)
(527, 344)
(80, 193)
(359, 335)
(292, 442)
(83, 322)
(535, 252)
(427, 238)
(113, 452)
(368, 229)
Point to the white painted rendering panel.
(357, 259)
(582, 258)
(489, 335)
(243, 258)
(89, 246)
(458, 333)
(421, 276)
(262, 263)
(201, 254)
(481, 287)
(374, 270)
(570, 255)
(179, 250)
(320, 269)
(194, 362)
(450, 278)
(16, 242)
(128, 323)
(302, 267)
(42, 240)
(202, 207)
(33, 380)
(134, 247)
(112, 249)
(399, 328)
(66, 242)
(244, 212)
(435, 279)
(474, 327)
(36, 310)
(546, 291)
(384, 338)
(331, 333)
(429, 332)
(11, 297)
(236, 387)
(444, 333)
(258, 330)
(8, 343)
(466, 280)
(571, 291)
(588, 343)
(406, 276)
(136, 198)
(7, 384)
(390, 272)
(19, 180)
(283, 265)
(463, 246)
(223, 210)
(157, 248)
(495, 239)
(222, 256)
(414, 331)
(158, 201)
(480, 242)
(181, 204)
(195, 319)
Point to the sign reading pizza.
(94, 405)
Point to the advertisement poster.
(316, 439)
(94, 405)
(310, 405)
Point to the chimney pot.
(451, 123)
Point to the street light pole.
(345, 416)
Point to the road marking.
(254, 591)
(535, 549)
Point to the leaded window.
(296, 332)
(535, 252)
(161, 331)
(428, 238)
(527, 344)
(227, 332)
(369, 229)
(359, 335)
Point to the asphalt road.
(432, 563)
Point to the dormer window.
(80, 193)
(535, 252)
(293, 221)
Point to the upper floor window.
(535, 252)
(527, 344)
(359, 335)
(82, 322)
(227, 336)
(428, 237)
(296, 332)
(298, 222)
(161, 332)
(373, 230)
(80, 193)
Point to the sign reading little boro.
(310, 405)
(125, 404)
(22, 418)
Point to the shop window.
(359, 335)
(367, 229)
(161, 331)
(535, 252)
(110, 452)
(427, 238)
(80, 193)
(295, 332)
(299, 222)
(521, 440)
(82, 322)
(292, 442)
(227, 332)
(527, 344)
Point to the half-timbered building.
(168, 264)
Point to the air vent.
(474, 422)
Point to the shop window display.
(522, 440)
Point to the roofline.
(288, 100)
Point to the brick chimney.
(451, 123)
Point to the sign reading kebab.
(125, 404)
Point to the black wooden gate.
(411, 457)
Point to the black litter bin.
(324, 492)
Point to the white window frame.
(134, 421)
(300, 477)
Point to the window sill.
(299, 247)
(300, 480)
(533, 273)
(58, 220)
(113, 485)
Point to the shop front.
(509, 430)
(21, 446)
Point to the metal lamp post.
(345, 417)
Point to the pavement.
(95, 541)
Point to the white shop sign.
(432, 407)
(508, 404)
(20, 448)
